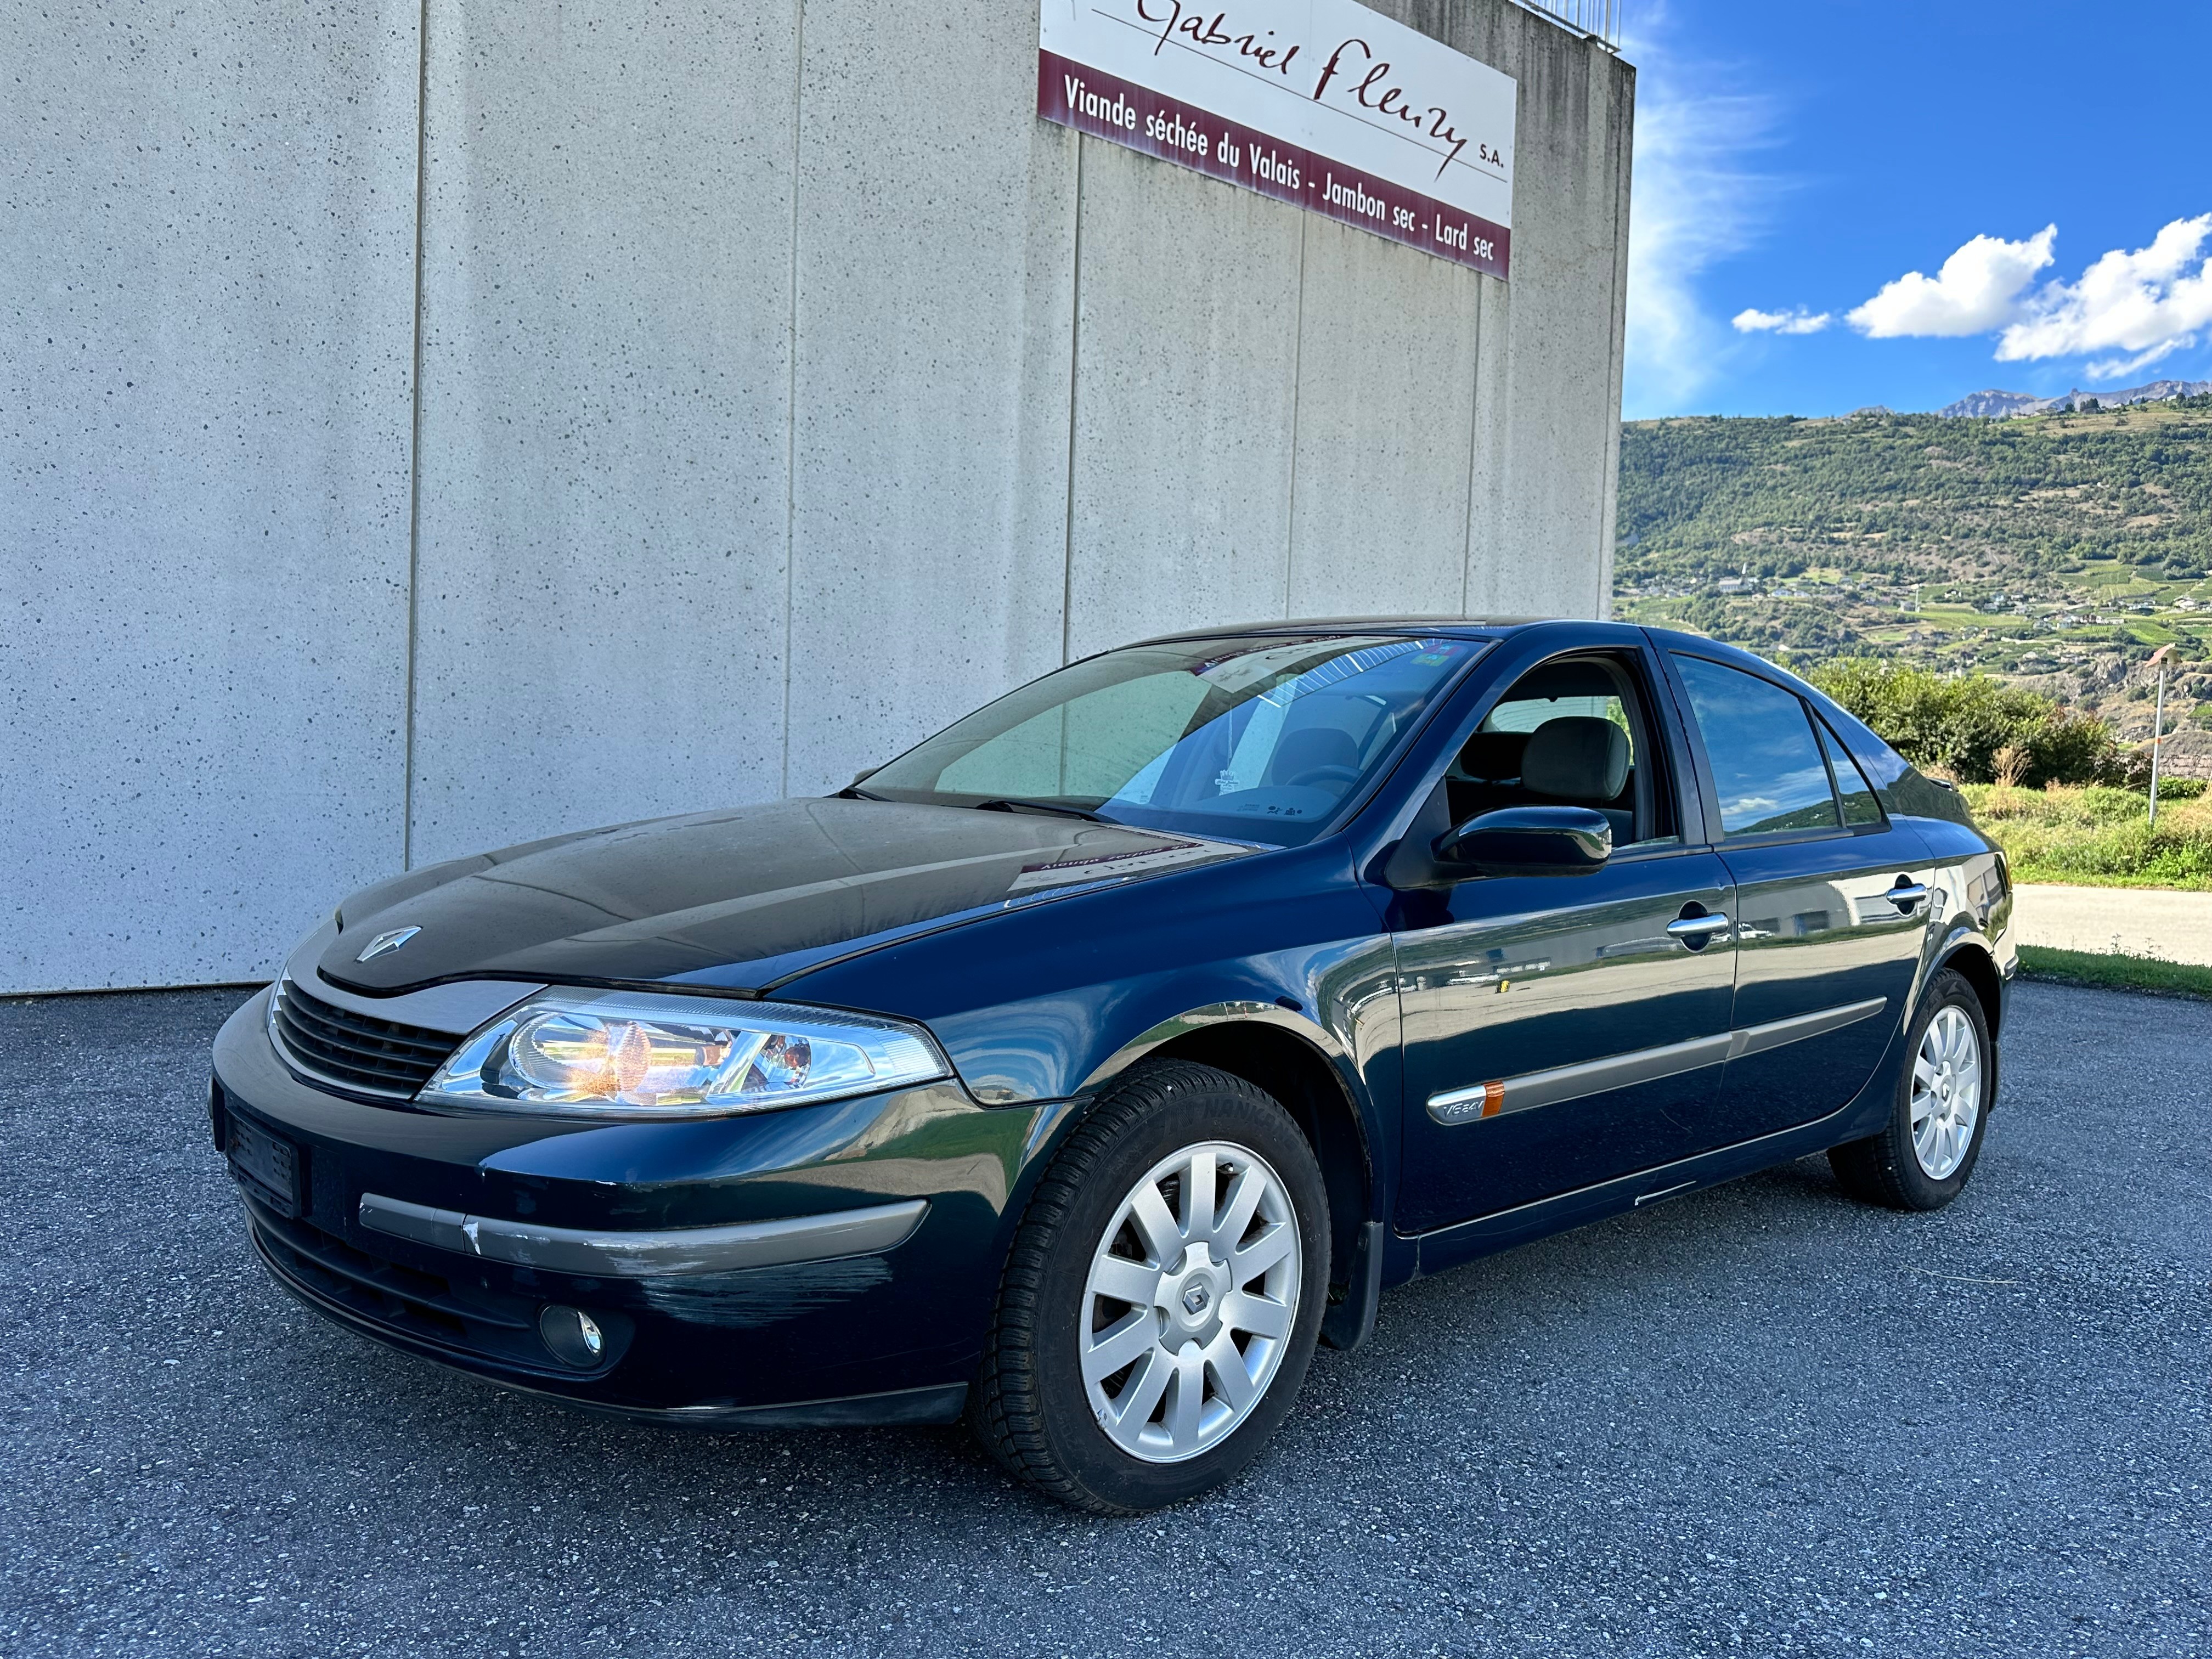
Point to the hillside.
(2057, 550)
(1995, 403)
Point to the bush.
(2099, 836)
(1963, 727)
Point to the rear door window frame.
(1708, 783)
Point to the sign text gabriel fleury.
(1321, 102)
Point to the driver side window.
(1573, 732)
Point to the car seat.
(1578, 760)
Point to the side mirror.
(1528, 840)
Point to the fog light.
(573, 1335)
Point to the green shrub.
(2099, 836)
(1961, 727)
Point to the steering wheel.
(1318, 777)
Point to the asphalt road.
(1759, 1420)
(2135, 921)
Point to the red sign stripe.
(1106, 107)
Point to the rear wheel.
(1162, 1299)
(1924, 1158)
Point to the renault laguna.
(1080, 1070)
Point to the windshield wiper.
(1016, 805)
(853, 791)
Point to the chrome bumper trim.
(648, 1256)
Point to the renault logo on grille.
(385, 942)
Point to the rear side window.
(1768, 766)
(1885, 764)
(1851, 786)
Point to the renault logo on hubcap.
(1195, 1299)
(391, 941)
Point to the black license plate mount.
(266, 1165)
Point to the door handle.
(1906, 894)
(1694, 930)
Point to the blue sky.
(1798, 160)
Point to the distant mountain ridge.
(1994, 406)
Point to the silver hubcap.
(1189, 1307)
(1946, 1092)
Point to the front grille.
(449, 1313)
(355, 1051)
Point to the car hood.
(736, 899)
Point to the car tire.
(1925, 1156)
(1219, 1328)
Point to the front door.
(1831, 904)
(1562, 1030)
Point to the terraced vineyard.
(2058, 551)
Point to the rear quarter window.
(1902, 789)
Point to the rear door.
(1830, 902)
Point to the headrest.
(1493, 756)
(1576, 757)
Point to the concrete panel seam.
(1074, 377)
(1298, 372)
(1621, 90)
(791, 384)
(1473, 450)
(414, 440)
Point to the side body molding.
(1563, 1082)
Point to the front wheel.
(1162, 1297)
(1922, 1159)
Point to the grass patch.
(2116, 972)
(2099, 837)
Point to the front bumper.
(833, 1263)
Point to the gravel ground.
(1757, 1419)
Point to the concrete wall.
(425, 426)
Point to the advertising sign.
(1320, 102)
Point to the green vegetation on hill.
(2055, 551)
(1920, 498)
(1973, 729)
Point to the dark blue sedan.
(1081, 1068)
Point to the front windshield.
(1254, 738)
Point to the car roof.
(1484, 628)
(1720, 651)
(1481, 627)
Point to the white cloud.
(2140, 307)
(2111, 369)
(1800, 321)
(1977, 290)
(1695, 203)
(2147, 304)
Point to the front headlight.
(619, 1055)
